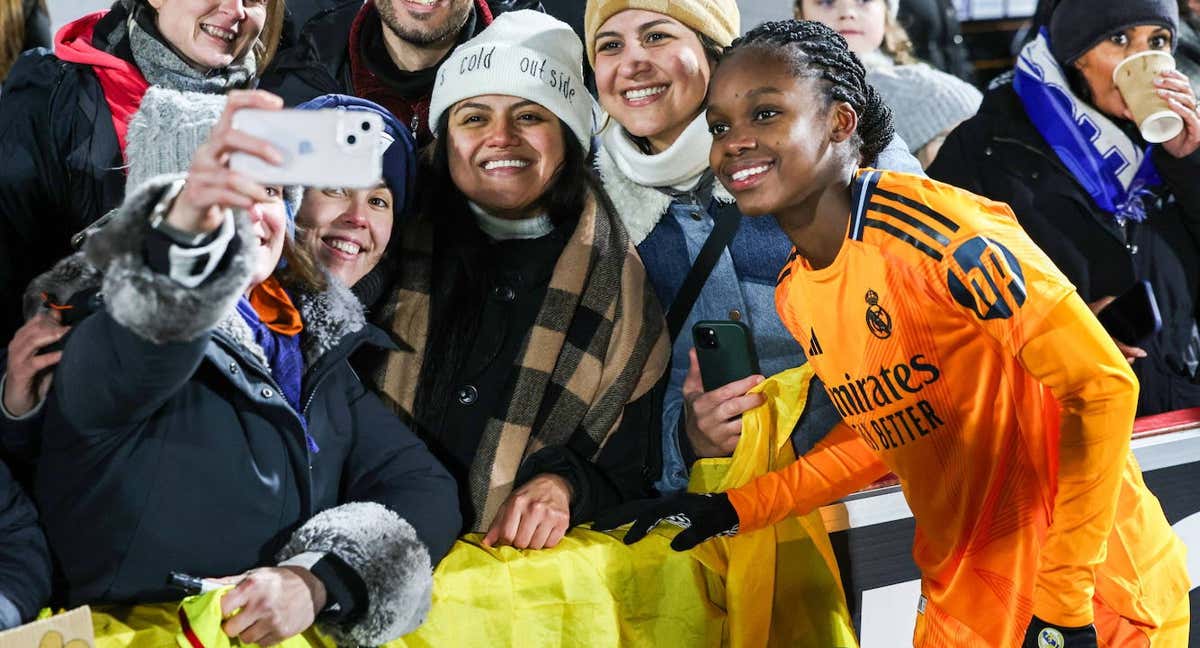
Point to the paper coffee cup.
(1134, 78)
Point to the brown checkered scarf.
(598, 343)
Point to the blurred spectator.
(386, 51)
(927, 103)
(936, 37)
(24, 24)
(64, 115)
(870, 27)
(1055, 142)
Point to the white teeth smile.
(424, 3)
(217, 32)
(738, 176)
(504, 164)
(349, 247)
(642, 93)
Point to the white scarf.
(679, 167)
(505, 229)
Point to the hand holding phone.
(723, 369)
(210, 187)
(725, 351)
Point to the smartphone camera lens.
(351, 139)
(708, 338)
(366, 126)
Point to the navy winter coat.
(167, 446)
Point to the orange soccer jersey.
(948, 341)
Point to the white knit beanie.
(524, 54)
(925, 102)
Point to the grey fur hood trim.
(152, 305)
(640, 207)
(328, 318)
(384, 551)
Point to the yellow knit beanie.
(717, 19)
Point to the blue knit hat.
(399, 160)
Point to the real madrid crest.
(879, 321)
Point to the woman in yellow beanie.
(653, 60)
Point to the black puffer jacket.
(1000, 154)
(168, 446)
(61, 169)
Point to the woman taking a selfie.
(64, 116)
(535, 337)
(652, 70)
(229, 436)
(1059, 143)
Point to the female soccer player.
(959, 358)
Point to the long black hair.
(462, 257)
(815, 51)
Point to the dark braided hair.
(818, 52)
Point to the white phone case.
(320, 148)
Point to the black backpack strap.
(725, 224)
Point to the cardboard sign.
(67, 630)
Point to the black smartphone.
(1133, 317)
(725, 351)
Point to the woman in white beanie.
(534, 338)
(653, 60)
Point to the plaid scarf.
(598, 343)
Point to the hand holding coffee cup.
(1135, 78)
(1177, 89)
(1160, 100)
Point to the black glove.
(1047, 635)
(702, 517)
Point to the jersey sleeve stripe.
(911, 221)
(924, 209)
(864, 185)
(903, 236)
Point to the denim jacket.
(669, 231)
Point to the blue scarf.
(1116, 173)
(284, 359)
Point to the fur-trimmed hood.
(157, 308)
(638, 206)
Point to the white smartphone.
(320, 148)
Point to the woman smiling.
(536, 338)
(652, 72)
(64, 116)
